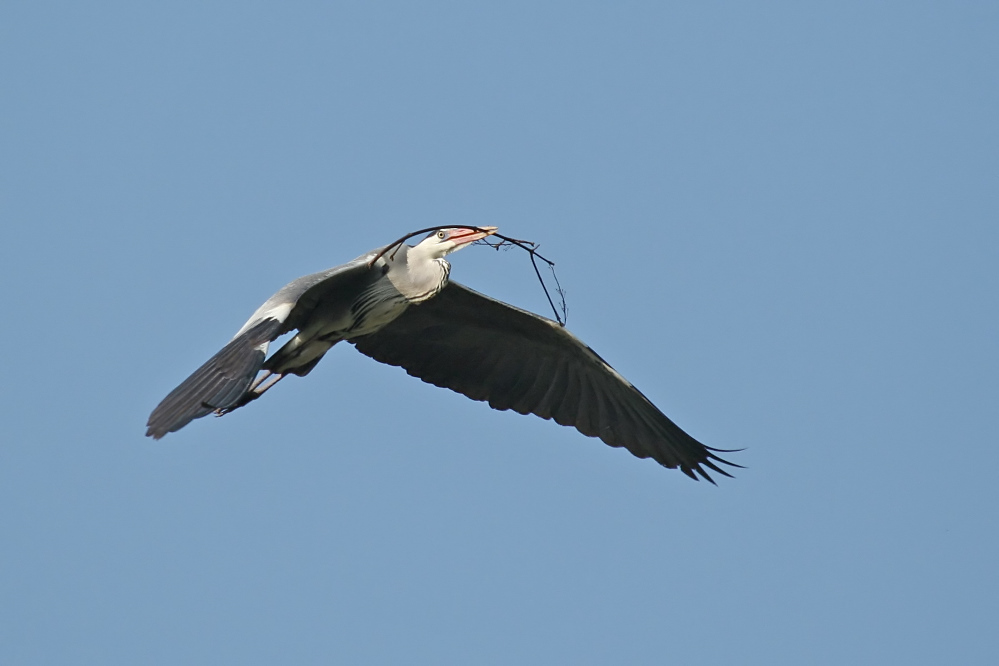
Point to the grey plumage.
(400, 309)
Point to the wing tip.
(158, 428)
(712, 462)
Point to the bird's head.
(443, 242)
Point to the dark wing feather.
(218, 384)
(512, 359)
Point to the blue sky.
(778, 220)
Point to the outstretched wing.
(222, 381)
(512, 359)
(217, 384)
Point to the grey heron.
(400, 308)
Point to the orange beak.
(465, 236)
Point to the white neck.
(417, 273)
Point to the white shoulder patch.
(278, 311)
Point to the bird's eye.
(442, 234)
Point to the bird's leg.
(260, 390)
(260, 380)
(257, 389)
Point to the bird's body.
(399, 308)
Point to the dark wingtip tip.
(709, 461)
(693, 473)
(686, 470)
(707, 477)
(711, 456)
(714, 450)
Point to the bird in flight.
(400, 308)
